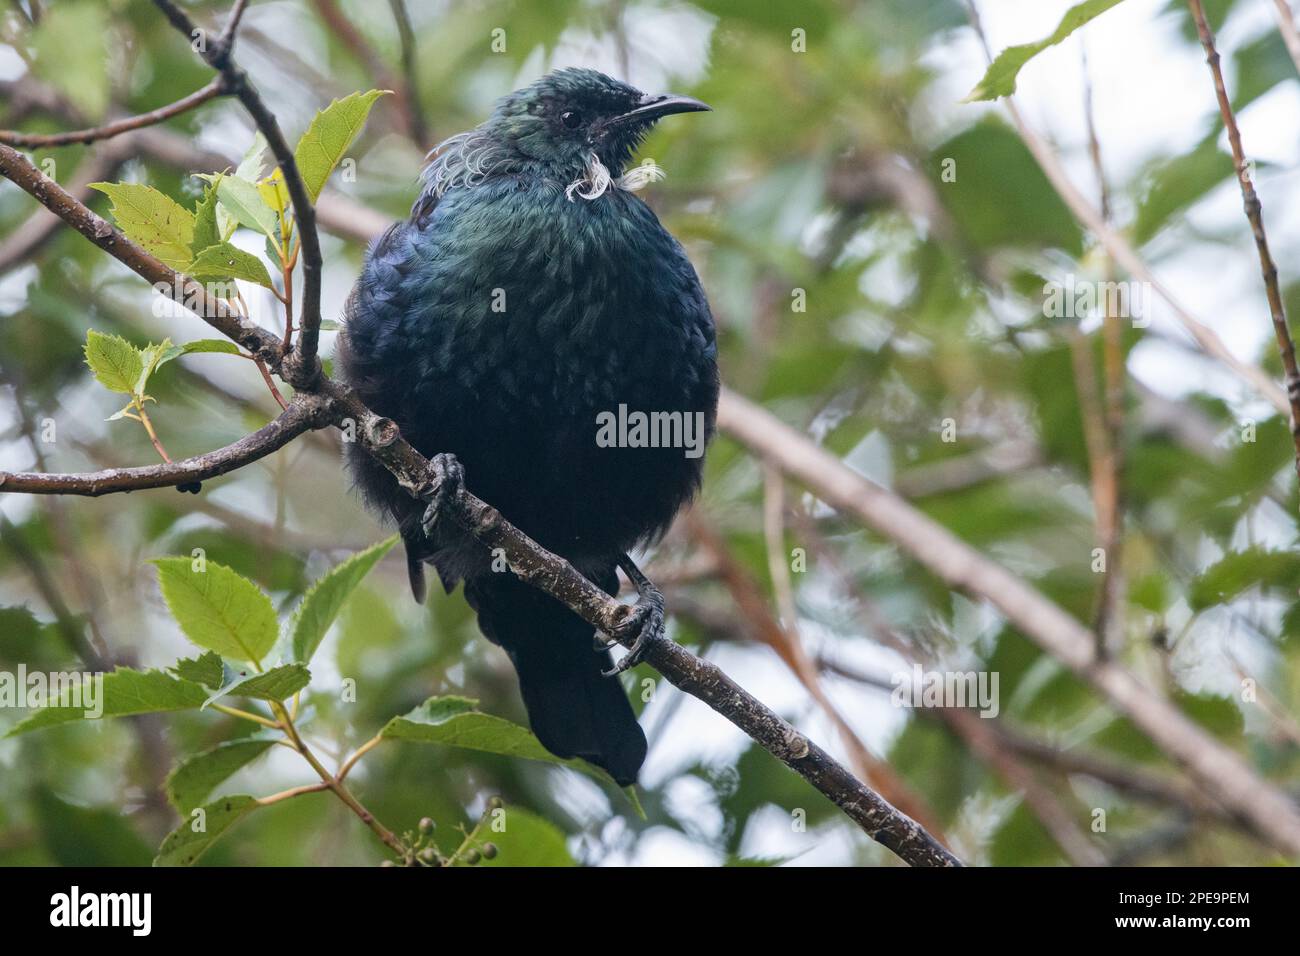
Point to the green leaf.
(224, 261)
(156, 221)
(206, 670)
(456, 722)
(250, 166)
(206, 231)
(218, 609)
(278, 683)
(241, 199)
(274, 192)
(757, 861)
(86, 836)
(322, 602)
(125, 692)
(1178, 182)
(183, 846)
(527, 840)
(221, 346)
(1240, 571)
(115, 362)
(189, 784)
(23, 637)
(329, 136)
(1000, 78)
(1004, 199)
(150, 358)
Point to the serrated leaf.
(221, 346)
(218, 609)
(240, 198)
(206, 230)
(250, 166)
(1000, 78)
(125, 692)
(150, 358)
(321, 604)
(189, 784)
(328, 137)
(225, 261)
(278, 683)
(457, 722)
(156, 221)
(183, 846)
(207, 669)
(115, 362)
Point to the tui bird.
(530, 299)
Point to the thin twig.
(291, 793)
(306, 365)
(1254, 213)
(245, 715)
(300, 416)
(226, 42)
(40, 227)
(336, 785)
(410, 88)
(1286, 25)
(1108, 623)
(361, 751)
(381, 438)
(1218, 769)
(783, 638)
(109, 130)
(978, 733)
(1127, 257)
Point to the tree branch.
(21, 244)
(1127, 257)
(1255, 214)
(109, 130)
(550, 573)
(410, 88)
(1286, 24)
(1220, 771)
(303, 414)
(180, 288)
(306, 366)
(527, 559)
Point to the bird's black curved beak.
(654, 105)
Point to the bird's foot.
(446, 481)
(646, 621)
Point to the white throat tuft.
(596, 179)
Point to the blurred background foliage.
(819, 171)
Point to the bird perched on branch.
(535, 331)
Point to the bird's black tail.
(574, 710)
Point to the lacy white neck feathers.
(468, 159)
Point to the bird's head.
(565, 117)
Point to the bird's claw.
(447, 480)
(646, 622)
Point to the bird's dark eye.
(572, 119)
